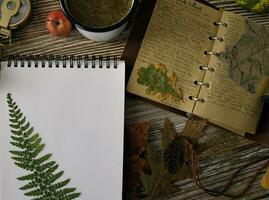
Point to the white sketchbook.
(77, 107)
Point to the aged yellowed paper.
(172, 51)
(233, 99)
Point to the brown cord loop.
(215, 193)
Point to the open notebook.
(77, 107)
(199, 60)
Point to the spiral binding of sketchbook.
(208, 68)
(62, 61)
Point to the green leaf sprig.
(157, 81)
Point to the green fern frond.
(42, 181)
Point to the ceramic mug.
(100, 34)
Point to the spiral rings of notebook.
(206, 68)
(221, 39)
(212, 53)
(66, 61)
(201, 84)
(211, 69)
(196, 99)
(225, 24)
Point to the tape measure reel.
(14, 14)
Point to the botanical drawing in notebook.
(175, 67)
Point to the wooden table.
(226, 151)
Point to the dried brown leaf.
(135, 158)
(136, 138)
(150, 181)
(168, 133)
(192, 131)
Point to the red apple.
(57, 23)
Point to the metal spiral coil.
(55, 60)
(218, 23)
(217, 38)
(211, 69)
(207, 85)
(212, 53)
(197, 99)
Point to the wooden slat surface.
(226, 153)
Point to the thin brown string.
(215, 193)
(158, 183)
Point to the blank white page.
(79, 113)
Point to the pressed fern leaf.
(43, 178)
